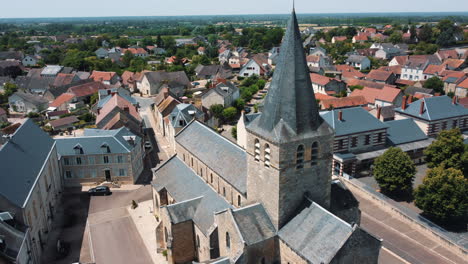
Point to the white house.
(357, 61)
(254, 67)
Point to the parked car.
(100, 190)
(247, 110)
(148, 144)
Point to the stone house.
(181, 116)
(29, 194)
(152, 83)
(101, 155)
(269, 203)
(434, 114)
(224, 94)
(451, 81)
(326, 85)
(357, 61)
(22, 102)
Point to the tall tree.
(443, 195)
(394, 171)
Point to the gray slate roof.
(290, 108)
(404, 131)
(221, 155)
(183, 184)
(355, 120)
(21, 161)
(413, 90)
(93, 139)
(31, 98)
(356, 58)
(316, 234)
(435, 108)
(185, 113)
(254, 223)
(173, 79)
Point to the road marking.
(90, 242)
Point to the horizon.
(152, 8)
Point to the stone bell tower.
(289, 146)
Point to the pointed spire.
(290, 108)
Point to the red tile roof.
(401, 60)
(405, 82)
(100, 76)
(86, 89)
(395, 69)
(463, 101)
(434, 69)
(63, 79)
(370, 30)
(313, 58)
(463, 84)
(63, 98)
(453, 63)
(388, 94)
(127, 77)
(340, 38)
(343, 102)
(360, 38)
(319, 79)
(445, 54)
(135, 51)
(379, 75)
(320, 96)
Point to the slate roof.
(185, 113)
(51, 70)
(31, 98)
(208, 69)
(173, 79)
(404, 131)
(28, 145)
(355, 120)
(254, 223)
(199, 140)
(183, 184)
(86, 89)
(435, 108)
(412, 90)
(223, 89)
(93, 139)
(316, 234)
(63, 121)
(356, 58)
(290, 108)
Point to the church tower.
(289, 146)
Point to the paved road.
(408, 243)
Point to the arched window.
(266, 155)
(300, 157)
(238, 200)
(228, 240)
(314, 153)
(211, 177)
(257, 150)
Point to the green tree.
(435, 83)
(395, 37)
(127, 58)
(448, 151)
(217, 110)
(234, 132)
(229, 113)
(443, 195)
(94, 98)
(239, 104)
(425, 34)
(394, 171)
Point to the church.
(272, 201)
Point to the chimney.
(410, 99)
(421, 109)
(454, 100)
(379, 111)
(98, 111)
(340, 115)
(126, 109)
(403, 103)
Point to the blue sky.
(93, 8)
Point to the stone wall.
(288, 256)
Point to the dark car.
(100, 190)
(247, 110)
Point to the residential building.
(260, 204)
(462, 89)
(10, 68)
(212, 71)
(326, 85)
(63, 124)
(22, 102)
(380, 97)
(317, 51)
(381, 76)
(224, 94)
(336, 39)
(414, 67)
(360, 38)
(51, 70)
(342, 102)
(152, 82)
(102, 53)
(357, 61)
(29, 194)
(101, 155)
(30, 60)
(3, 115)
(318, 61)
(181, 116)
(108, 78)
(258, 65)
(435, 114)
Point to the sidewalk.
(146, 224)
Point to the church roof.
(196, 201)
(254, 223)
(208, 146)
(290, 107)
(316, 234)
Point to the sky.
(102, 8)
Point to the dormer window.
(257, 150)
(105, 148)
(266, 156)
(314, 153)
(78, 149)
(300, 157)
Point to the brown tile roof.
(366, 83)
(136, 50)
(388, 94)
(86, 89)
(313, 58)
(320, 79)
(127, 77)
(395, 69)
(463, 101)
(167, 105)
(453, 63)
(11, 129)
(63, 98)
(360, 38)
(343, 102)
(463, 84)
(401, 60)
(63, 121)
(434, 69)
(379, 75)
(445, 54)
(340, 38)
(321, 96)
(405, 82)
(63, 79)
(102, 76)
(120, 102)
